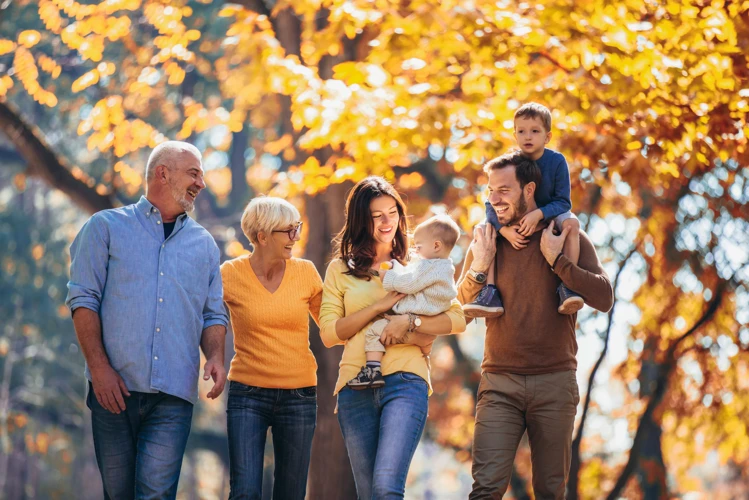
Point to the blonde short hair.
(265, 214)
(442, 228)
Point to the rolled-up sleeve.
(89, 260)
(332, 307)
(214, 312)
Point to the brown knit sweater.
(531, 337)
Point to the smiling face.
(385, 218)
(282, 240)
(185, 180)
(531, 136)
(508, 199)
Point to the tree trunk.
(330, 476)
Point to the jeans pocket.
(240, 388)
(411, 377)
(306, 393)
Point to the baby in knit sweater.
(428, 281)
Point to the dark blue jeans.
(139, 451)
(381, 428)
(291, 414)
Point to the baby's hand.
(384, 268)
(511, 234)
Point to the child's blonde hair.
(443, 228)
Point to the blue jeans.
(292, 415)
(139, 451)
(381, 428)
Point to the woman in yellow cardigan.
(382, 426)
(273, 379)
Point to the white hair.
(265, 214)
(165, 153)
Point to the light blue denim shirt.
(154, 296)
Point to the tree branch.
(664, 373)
(42, 162)
(573, 484)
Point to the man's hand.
(529, 222)
(395, 329)
(215, 369)
(511, 234)
(109, 389)
(551, 244)
(484, 247)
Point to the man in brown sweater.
(528, 373)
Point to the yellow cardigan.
(271, 330)
(343, 295)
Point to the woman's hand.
(395, 329)
(388, 301)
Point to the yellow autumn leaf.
(6, 47)
(89, 78)
(29, 38)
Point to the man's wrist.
(556, 260)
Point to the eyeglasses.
(293, 232)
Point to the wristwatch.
(477, 276)
(414, 322)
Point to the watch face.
(417, 321)
(480, 277)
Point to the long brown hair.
(355, 244)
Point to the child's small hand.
(384, 268)
(529, 222)
(511, 234)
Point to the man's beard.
(520, 208)
(181, 198)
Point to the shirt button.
(158, 329)
(161, 300)
(161, 274)
(163, 245)
(158, 222)
(156, 358)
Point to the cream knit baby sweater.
(428, 283)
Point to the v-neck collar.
(255, 277)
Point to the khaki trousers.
(508, 405)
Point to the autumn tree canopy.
(301, 98)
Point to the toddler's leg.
(572, 243)
(370, 375)
(488, 304)
(569, 301)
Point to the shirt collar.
(147, 208)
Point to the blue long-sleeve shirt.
(155, 296)
(553, 195)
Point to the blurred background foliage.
(302, 98)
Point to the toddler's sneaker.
(487, 305)
(569, 301)
(369, 377)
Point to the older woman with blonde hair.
(270, 296)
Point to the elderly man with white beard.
(145, 293)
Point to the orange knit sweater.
(271, 330)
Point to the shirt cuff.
(214, 322)
(85, 302)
